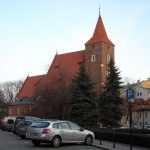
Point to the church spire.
(99, 34)
(99, 11)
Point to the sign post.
(130, 97)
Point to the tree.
(3, 105)
(10, 89)
(110, 103)
(52, 97)
(83, 108)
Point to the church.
(98, 51)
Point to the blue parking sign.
(130, 94)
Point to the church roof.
(65, 65)
(29, 86)
(99, 34)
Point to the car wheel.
(88, 140)
(36, 143)
(56, 141)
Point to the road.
(9, 141)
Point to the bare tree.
(10, 90)
(3, 105)
(53, 97)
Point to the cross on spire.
(99, 11)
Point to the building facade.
(96, 56)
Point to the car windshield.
(40, 124)
(18, 119)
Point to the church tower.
(98, 52)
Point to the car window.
(18, 119)
(40, 124)
(64, 125)
(56, 126)
(10, 121)
(74, 126)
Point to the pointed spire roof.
(99, 33)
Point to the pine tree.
(110, 103)
(83, 99)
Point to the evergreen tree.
(83, 99)
(110, 103)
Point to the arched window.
(93, 58)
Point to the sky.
(32, 31)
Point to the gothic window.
(18, 111)
(108, 58)
(93, 58)
(140, 93)
(10, 111)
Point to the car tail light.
(45, 131)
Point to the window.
(18, 111)
(10, 111)
(93, 58)
(56, 126)
(64, 125)
(40, 124)
(108, 58)
(74, 126)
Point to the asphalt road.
(9, 141)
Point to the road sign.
(130, 94)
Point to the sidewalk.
(108, 145)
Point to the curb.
(104, 147)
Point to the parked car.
(20, 118)
(9, 124)
(147, 127)
(58, 132)
(22, 127)
(4, 121)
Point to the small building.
(25, 99)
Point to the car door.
(77, 132)
(66, 132)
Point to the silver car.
(57, 132)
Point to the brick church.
(97, 54)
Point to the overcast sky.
(31, 31)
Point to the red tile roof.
(29, 86)
(99, 34)
(65, 66)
